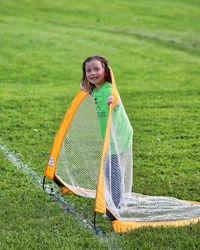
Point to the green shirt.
(121, 130)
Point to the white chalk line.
(10, 156)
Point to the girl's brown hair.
(87, 85)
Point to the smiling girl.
(96, 80)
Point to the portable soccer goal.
(85, 163)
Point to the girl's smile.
(95, 73)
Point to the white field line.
(35, 178)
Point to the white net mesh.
(78, 161)
(135, 207)
(78, 166)
(129, 206)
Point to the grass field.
(153, 47)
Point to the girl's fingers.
(110, 100)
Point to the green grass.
(153, 48)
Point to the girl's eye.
(88, 70)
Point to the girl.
(96, 80)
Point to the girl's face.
(95, 73)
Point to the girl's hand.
(82, 87)
(85, 88)
(110, 100)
